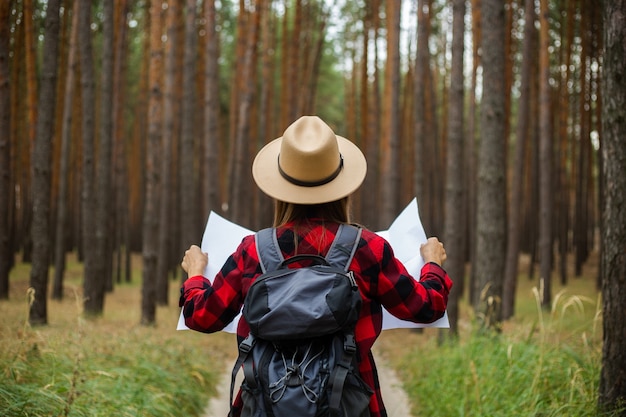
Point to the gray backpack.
(300, 356)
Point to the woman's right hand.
(433, 251)
(195, 261)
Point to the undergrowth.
(545, 366)
(106, 366)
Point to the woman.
(310, 172)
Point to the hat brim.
(268, 178)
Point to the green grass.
(104, 366)
(543, 363)
(493, 376)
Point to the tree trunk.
(517, 179)
(317, 19)
(419, 107)
(29, 130)
(266, 97)
(374, 116)
(491, 191)
(293, 58)
(153, 179)
(41, 168)
(612, 390)
(581, 218)
(370, 204)
(431, 207)
(189, 231)
(471, 152)
(563, 224)
(235, 97)
(531, 205)
(89, 206)
(545, 159)
(104, 189)
(66, 133)
(5, 148)
(211, 175)
(119, 151)
(169, 88)
(364, 213)
(241, 187)
(598, 48)
(454, 213)
(390, 140)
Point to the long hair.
(335, 211)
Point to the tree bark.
(421, 68)
(211, 112)
(240, 188)
(612, 390)
(153, 179)
(29, 130)
(119, 148)
(370, 118)
(432, 201)
(470, 149)
(517, 178)
(89, 205)
(105, 149)
(38, 313)
(563, 224)
(5, 148)
(266, 118)
(169, 114)
(491, 187)
(390, 140)
(66, 132)
(545, 159)
(454, 213)
(364, 212)
(581, 214)
(189, 231)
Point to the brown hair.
(335, 211)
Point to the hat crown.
(309, 152)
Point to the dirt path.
(396, 400)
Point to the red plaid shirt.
(382, 280)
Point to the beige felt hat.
(309, 164)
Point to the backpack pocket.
(251, 407)
(356, 397)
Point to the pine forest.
(123, 123)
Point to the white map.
(222, 237)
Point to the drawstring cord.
(298, 369)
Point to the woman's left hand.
(195, 261)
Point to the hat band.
(302, 183)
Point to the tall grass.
(107, 366)
(548, 365)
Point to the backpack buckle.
(352, 279)
(247, 344)
(349, 344)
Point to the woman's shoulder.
(246, 246)
(373, 240)
(369, 235)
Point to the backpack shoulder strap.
(344, 246)
(268, 250)
(340, 253)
